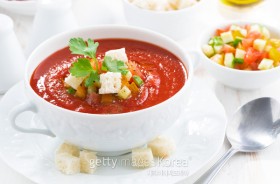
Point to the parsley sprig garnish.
(82, 67)
(79, 46)
(114, 65)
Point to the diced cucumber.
(240, 53)
(259, 44)
(227, 37)
(234, 27)
(228, 61)
(256, 28)
(243, 32)
(218, 49)
(128, 75)
(124, 93)
(265, 32)
(266, 64)
(217, 58)
(215, 41)
(208, 50)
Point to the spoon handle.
(211, 173)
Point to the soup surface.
(162, 72)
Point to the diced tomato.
(242, 66)
(254, 35)
(247, 27)
(228, 49)
(247, 43)
(264, 54)
(252, 56)
(220, 31)
(254, 66)
(135, 70)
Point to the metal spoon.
(253, 127)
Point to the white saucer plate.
(20, 7)
(198, 134)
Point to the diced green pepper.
(236, 42)
(216, 41)
(137, 80)
(71, 91)
(238, 60)
(124, 72)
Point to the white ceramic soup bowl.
(108, 134)
(176, 24)
(239, 79)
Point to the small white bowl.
(239, 79)
(20, 7)
(176, 24)
(110, 133)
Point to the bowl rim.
(188, 66)
(209, 32)
(186, 9)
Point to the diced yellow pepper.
(236, 33)
(107, 98)
(274, 54)
(133, 88)
(124, 81)
(81, 92)
(275, 42)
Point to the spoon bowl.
(253, 127)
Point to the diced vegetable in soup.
(108, 76)
(248, 47)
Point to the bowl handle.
(27, 106)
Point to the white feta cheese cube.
(110, 83)
(266, 64)
(259, 44)
(218, 58)
(229, 60)
(73, 81)
(227, 37)
(208, 50)
(118, 54)
(240, 53)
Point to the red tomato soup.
(162, 72)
